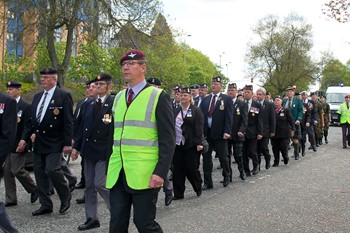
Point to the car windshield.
(336, 97)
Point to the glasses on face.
(131, 63)
(100, 83)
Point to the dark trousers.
(345, 128)
(263, 149)
(249, 151)
(14, 168)
(280, 145)
(82, 179)
(5, 222)
(144, 208)
(72, 179)
(47, 167)
(235, 148)
(186, 164)
(309, 131)
(220, 147)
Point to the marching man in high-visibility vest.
(344, 112)
(143, 145)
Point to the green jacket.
(296, 109)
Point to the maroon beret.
(133, 55)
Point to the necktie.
(38, 117)
(97, 106)
(212, 106)
(289, 103)
(131, 93)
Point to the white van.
(335, 97)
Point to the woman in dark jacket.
(189, 135)
(284, 130)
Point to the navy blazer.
(269, 118)
(192, 127)
(93, 138)
(56, 129)
(23, 119)
(255, 121)
(221, 118)
(240, 120)
(8, 126)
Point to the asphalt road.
(308, 195)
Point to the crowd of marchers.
(126, 134)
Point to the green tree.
(335, 73)
(280, 55)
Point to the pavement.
(307, 196)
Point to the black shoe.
(226, 181)
(178, 198)
(303, 153)
(8, 204)
(286, 160)
(89, 224)
(310, 148)
(65, 204)
(317, 145)
(268, 165)
(344, 147)
(314, 148)
(168, 199)
(80, 200)
(348, 143)
(296, 157)
(207, 187)
(80, 185)
(199, 192)
(326, 141)
(242, 176)
(219, 167)
(248, 174)
(34, 196)
(320, 142)
(275, 165)
(255, 171)
(41, 211)
(72, 187)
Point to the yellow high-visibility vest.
(135, 137)
(344, 113)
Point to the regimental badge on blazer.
(310, 105)
(52, 102)
(107, 118)
(55, 110)
(304, 110)
(282, 113)
(222, 106)
(2, 107)
(19, 115)
(238, 112)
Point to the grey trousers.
(95, 181)
(14, 168)
(47, 167)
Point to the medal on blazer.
(238, 112)
(282, 114)
(2, 106)
(56, 111)
(19, 114)
(52, 102)
(222, 107)
(107, 118)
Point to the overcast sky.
(225, 26)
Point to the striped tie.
(38, 117)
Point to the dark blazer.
(8, 126)
(269, 118)
(240, 120)
(56, 129)
(255, 121)
(23, 119)
(76, 115)
(297, 108)
(192, 128)
(94, 133)
(221, 118)
(311, 105)
(284, 124)
(307, 108)
(196, 100)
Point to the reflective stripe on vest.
(135, 139)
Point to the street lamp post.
(227, 64)
(220, 59)
(185, 47)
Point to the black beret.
(203, 85)
(186, 90)
(154, 81)
(176, 88)
(248, 87)
(48, 71)
(312, 93)
(103, 77)
(13, 84)
(194, 86)
(217, 79)
(232, 85)
(297, 94)
(133, 55)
